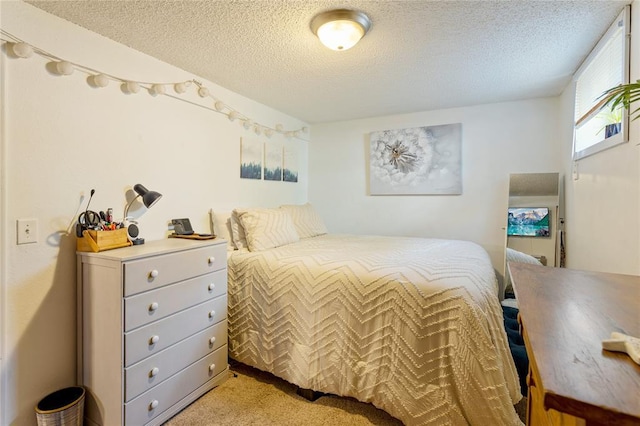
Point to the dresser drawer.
(152, 338)
(150, 404)
(151, 371)
(156, 304)
(157, 271)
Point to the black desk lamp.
(149, 198)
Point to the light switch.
(27, 231)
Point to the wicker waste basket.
(64, 407)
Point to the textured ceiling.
(419, 55)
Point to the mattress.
(413, 326)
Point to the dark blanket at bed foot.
(516, 345)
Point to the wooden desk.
(565, 314)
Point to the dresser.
(564, 315)
(152, 329)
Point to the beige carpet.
(253, 397)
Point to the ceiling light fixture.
(340, 29)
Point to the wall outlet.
(27, 231)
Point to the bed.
(413, 326)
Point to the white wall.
(498, 139)
(603, 204)
(62, 138)
(3, 210)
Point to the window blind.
(606, 66)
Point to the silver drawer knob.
(212, 286)
(153, 273)
(211, 259)
(153, 404)
(212, 367)
(154, 372)
(154, 339)
(212, 314)
(153, 306)
(212, 340)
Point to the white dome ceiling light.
(340, 29)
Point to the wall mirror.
(535, 221)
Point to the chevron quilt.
(411, 325)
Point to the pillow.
(307, 222)
(221, 226)
(267, 228)
(237, 232)
(517, 257)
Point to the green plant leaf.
(623, 95)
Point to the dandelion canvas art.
(419, 160)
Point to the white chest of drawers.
(152, 329)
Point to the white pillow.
(237, 232)
(267, 228)
(517, 257)
(307, 221)
(221, 226)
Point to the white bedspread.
(412, 325)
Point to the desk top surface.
(566, 315)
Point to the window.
(597, 128)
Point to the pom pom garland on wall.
(99, 79)
(22, 50)
(64, 68)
